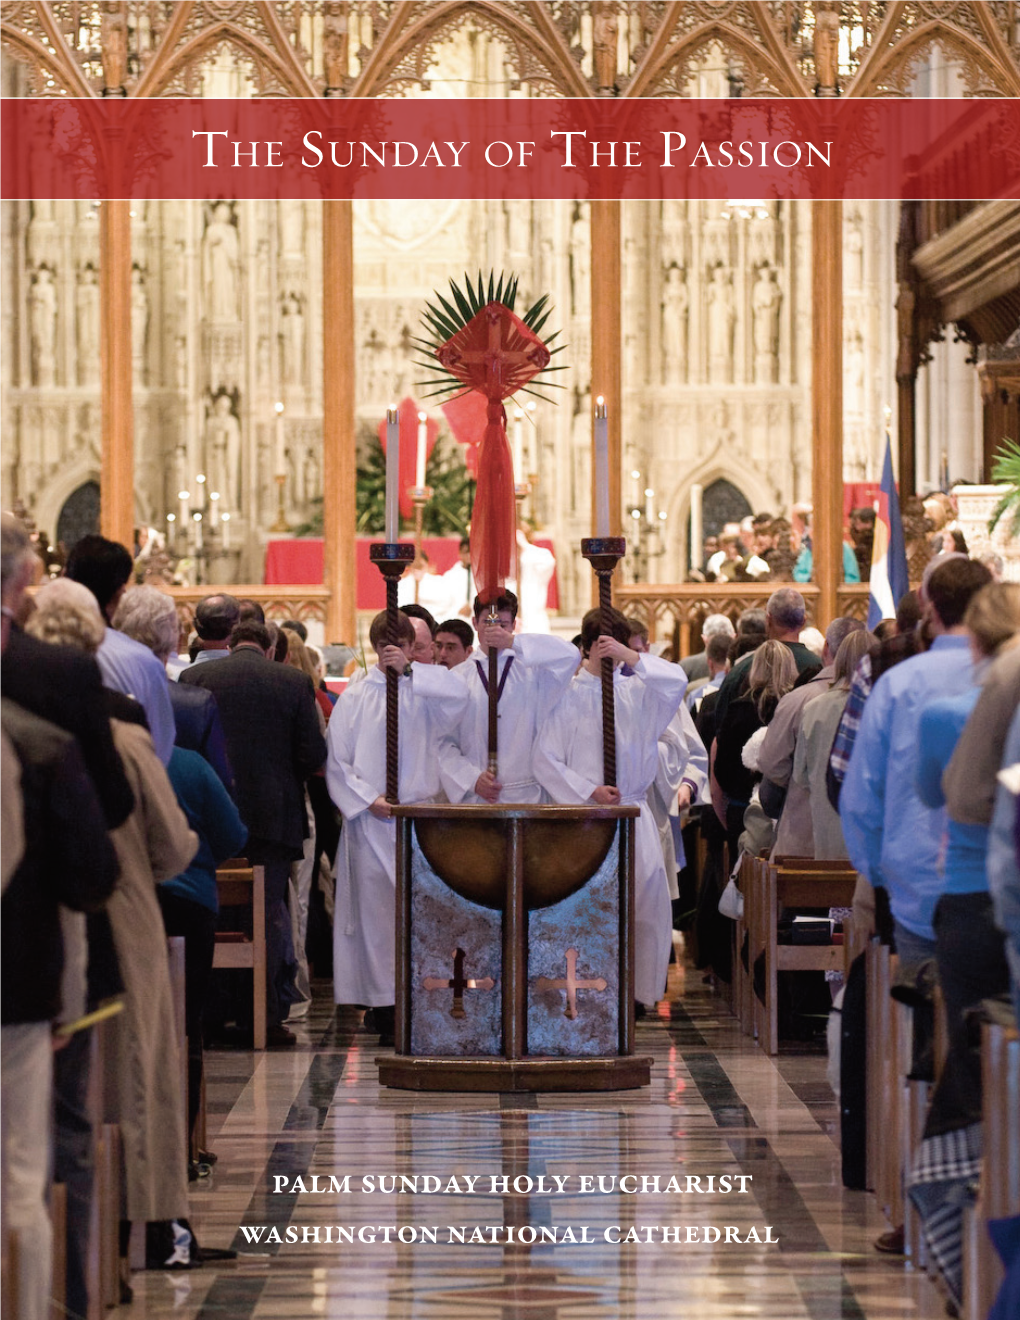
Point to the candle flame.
(184, 494)
(278, 406)
(423, 417)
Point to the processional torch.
(604, 552)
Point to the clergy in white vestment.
(430, 700)
(535, 568)
(433, 590)
(569, 766)
(682, 776)
(460, 583)
(533, 673)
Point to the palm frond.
(1006, 471)
(445, 315)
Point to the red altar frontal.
(299, 561)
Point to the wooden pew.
(240, 884)
(999, 1194)
(794, 883)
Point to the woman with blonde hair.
(772, 674)
(142, 1067)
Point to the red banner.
(613, 148)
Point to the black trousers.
(197, 924)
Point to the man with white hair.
(696, 666)
(785, 615)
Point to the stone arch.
(444, 18)
(52, 498)
(781, 72)
(56, 61)
(79, 514)
(754, 490)
(899, 59)
(165, 67)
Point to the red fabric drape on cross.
(495, 355)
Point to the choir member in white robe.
(682, 777)
(430, 700)
(534, 672)
(421, 586)
(569, 766)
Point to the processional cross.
(571, 984)
(496, 355)
(458, 984)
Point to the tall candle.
(392, 473)
(214, 508)
(183, 496)
(226, 531)
(635, 494)
(281, 444)
(197, 519)
(649, 506)
(697, 538)
(421, 454)
(601, 468)
(518, 445)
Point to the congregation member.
(969, 951)
(215, 619)
(56, 850)
(274, 742)
(812, 746)
(303, 871)
(773, 672)
(1004, 853)
(696, 666)
(105, 568)
(787, 802)
(142, 1066)
(64, 686)
(569, 766)
(149, 616)
(431, 699)
(534, 670)
(785, 615)
(454, 640)
(717, 657)
(892, 838)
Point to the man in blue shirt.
(105, 567)
(891, 837)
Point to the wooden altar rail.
(279, 602)
(675, 612)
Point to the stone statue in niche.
(87, 318)
(854, 248)
(765, 300)
(675, 300)
(139, 322)
(721, 315)
(223, 452)
(310, 473)
(293, 339)
(42, 317)
(292, 226)
(580, 260)
(853, 373)
(605, 21)
(220, 253)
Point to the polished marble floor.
(717, 1108)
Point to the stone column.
(338, 433)
(827, 402)
(117, 500)
(606, 337)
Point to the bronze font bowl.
(472, 855)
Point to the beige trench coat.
(143, 1077)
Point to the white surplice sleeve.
(556, 743)
(350, 793)
(553, 662)
(661, 692)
